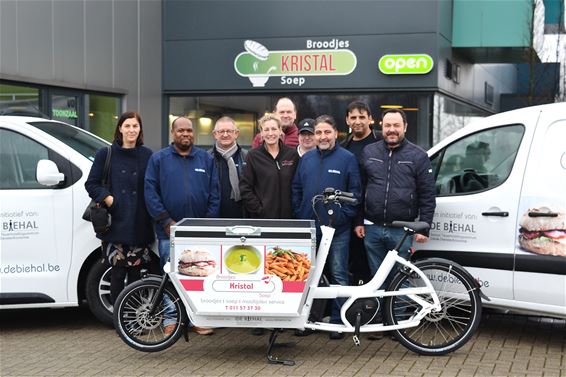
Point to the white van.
(49, 256)
(501, 185)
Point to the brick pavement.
(69, 342)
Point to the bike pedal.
(356, 340)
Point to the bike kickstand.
(356, 337)
(273, 359)
(186, 331)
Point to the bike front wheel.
(438, 333)
(144, 329)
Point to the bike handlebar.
(347, 199)
(331, 195)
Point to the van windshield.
(81, 141)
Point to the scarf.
(227, 154)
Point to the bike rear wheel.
(144, 331)
(439, 332)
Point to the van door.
(36, 222)
(540, 277)
(475, 218)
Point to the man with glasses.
(307, 140)
(229, 159)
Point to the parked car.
(501, 204)
(49, 255)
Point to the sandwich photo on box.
(196, 263)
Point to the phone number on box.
(242, 307)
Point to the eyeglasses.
(222, 132)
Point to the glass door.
(68, 107)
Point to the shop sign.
(406, 64)
(65, 113)
(292, 66)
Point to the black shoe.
(335, 335)
(258, 331)
(305, 332)
(376, 336)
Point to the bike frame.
(368, 290)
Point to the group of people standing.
(276, 179)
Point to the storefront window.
(65, 108)
(450, 115)
(19, 100)
(103, 113)
(246, 110)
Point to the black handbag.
(96, 213)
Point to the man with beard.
(359, 120)
(329, 165)
(285, 109)
(180, 181)
(399, 186)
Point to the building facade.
(443, 62)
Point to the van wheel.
(98, 292)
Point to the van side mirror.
(48, 174)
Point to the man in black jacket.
(360, 122)
(399, 186)
(230, 159)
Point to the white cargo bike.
(264, 273)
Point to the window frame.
(438, 159)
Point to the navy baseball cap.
(307, 125)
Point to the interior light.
(91, 114)
(391, 106)
(205, 122)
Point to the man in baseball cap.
(306, 136)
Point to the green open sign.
(415, 64)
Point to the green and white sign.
(65, 113)
(406, 64)
(259, 64)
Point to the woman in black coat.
(127, 245)
(265, 185)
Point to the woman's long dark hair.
(123, 117)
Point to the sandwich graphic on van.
(543, 231)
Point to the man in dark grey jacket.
(398, 186)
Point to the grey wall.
(110, 45)
(208, 20)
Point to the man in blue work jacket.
(329, 165)
(180, 181)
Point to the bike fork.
(158, 295)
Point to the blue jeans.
(338, 264)
(378, 241)
(169, 312)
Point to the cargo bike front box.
(244, 272)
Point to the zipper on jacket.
(279, 185)
(186, 173)
(387, 186)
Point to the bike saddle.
(414, 226)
